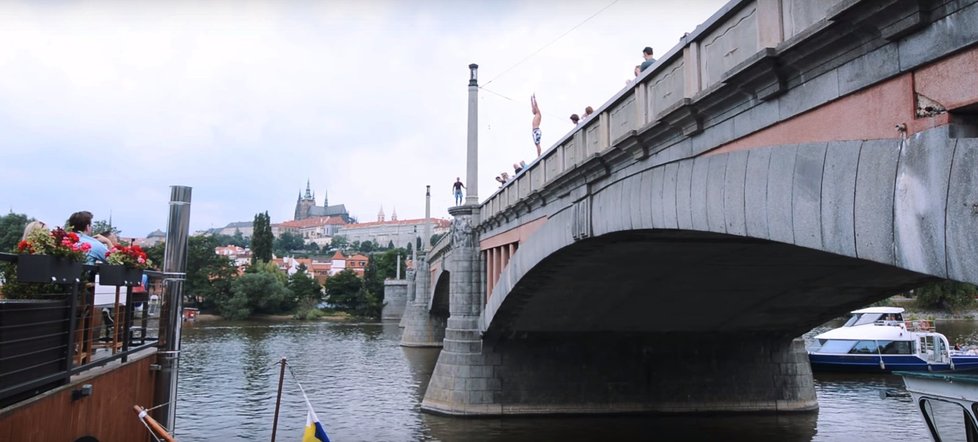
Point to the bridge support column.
(620, 373)
(421, 328)
(459, 382)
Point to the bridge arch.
(438, 302)
(859, 219)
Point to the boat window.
(852, 321)
(868, 318)
(863, 347)
(836, 346)
(895, 347)
(948, 421)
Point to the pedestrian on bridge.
(457, 190)
(536, 122)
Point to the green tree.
(259, 292)
(390, 244)
(287, 242)
(345, 290)
(339, 242)
(11, 229)
(261, 239)
(209, 275)
(946, 295)
(436, 237)
(102, 225)
(306, 292)
(312, 248)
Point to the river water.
(365, 387)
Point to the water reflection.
(365, 387)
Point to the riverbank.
(329, 317)
(912, 312)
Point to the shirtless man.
(536, 122)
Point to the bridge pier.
(618, 373)
(421, 328)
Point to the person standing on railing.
(81, 224)
(649, 60)
(457, 190)
(537, 135)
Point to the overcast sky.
(105, 104)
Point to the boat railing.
(917, 325)
(71, 327)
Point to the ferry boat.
(947, 402)
(878, 339)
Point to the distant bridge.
(788, 161)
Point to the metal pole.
(398, 267)
(278, 398)
(472, 154)
(174, 262)
(426, 242)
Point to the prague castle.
(305, 207)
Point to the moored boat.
(947, 402)
(878, 339)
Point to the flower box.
(47, 268)
(109, 274)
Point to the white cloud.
(103, 105)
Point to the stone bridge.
(788, 161)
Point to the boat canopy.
(883, 310)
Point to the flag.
(314, 429)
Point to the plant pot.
(111, 274)
(47, 268)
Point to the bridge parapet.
(753, 64)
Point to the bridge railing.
(737, 36)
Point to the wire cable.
(551, 42)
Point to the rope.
(551, 42)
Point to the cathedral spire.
(325, 198)
(380, 215)
(308, 192)
(394, 214)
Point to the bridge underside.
(692, 282)
(657, 321)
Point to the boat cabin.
(873, 315)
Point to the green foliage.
(287, 242)
(312, 248)
(339, 242)
(305, 290)
(12, 289)
(102, 225)
(11, 229)
(259, 292)
(946, 295)
(232, 240)
(436, 237)
(209, 275)
(346, 291)
(261, 239)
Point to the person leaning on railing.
(81, 223)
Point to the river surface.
(365, 387)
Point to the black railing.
(70, 326)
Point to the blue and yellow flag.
(314, 429)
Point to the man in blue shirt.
(81, 223)
(649, 61)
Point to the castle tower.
(394, 215)
(380, 215)
(304, 203)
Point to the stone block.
(755, 192)
(946, 35)
(656, 194)
(669, 176)
(755, 118)
(810, 94)
(718, 133)
(779, 187)
(962, 213)
(715, 181)
(698, 187)
(633, 200)
(875, 181)
(882, 62)
(806, 195)
(684, 210)
(733, 193)
(838, 197)
(920, 202)
(645, 201)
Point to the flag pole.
(278, 398)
